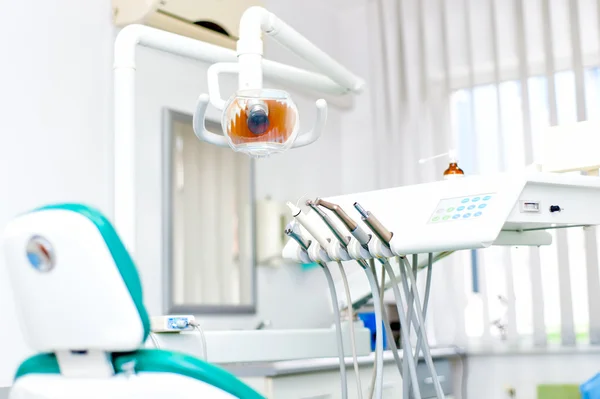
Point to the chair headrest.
(75, 285)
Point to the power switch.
(555, 208)
(530, 206)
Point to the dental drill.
(362, 237)
(324, 244)
(292, 230)
(350, 313)
(385, 237)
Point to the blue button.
(471, 207)
(465, 201)
(460, 208)
(487, 197)
(482, 206)
(456, 216)
(477, 214)
(475, 199)
(467, 215)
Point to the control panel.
(461, 208)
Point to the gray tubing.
(415, 320)
(379, 334)
(427, 285)
(421, 330)
(408, 362)
(352, 333)
(410, 307)
(407, 351)
(338, 330)
(390, 335)
(385, 320)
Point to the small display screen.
(177, 323)
(461, 208)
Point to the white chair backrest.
(75, 286)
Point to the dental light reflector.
(260, 122)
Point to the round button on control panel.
(461, 208)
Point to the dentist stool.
(79, 299)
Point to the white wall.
(54, 120)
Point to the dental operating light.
(260, 121)
(257, 121)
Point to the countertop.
(272, 369)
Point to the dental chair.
(79, 300)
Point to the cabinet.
(324, 383)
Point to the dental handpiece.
(374, 224)
(340, 235)
(303, 219)
(292, 230)
(357, 232)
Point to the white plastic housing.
(317, 253)
(426, 217)
(378, 250)
(178, 16)
(80, 304)
(336, 252)
(357, 251)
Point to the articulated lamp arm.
(257, 20)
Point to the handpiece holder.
(318, 254)
(254, 22)
(337, 252)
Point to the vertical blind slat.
(401, 51)
(496, 58)
(537, 293)
(502, 164)
(384, 64)
(567, 324)
(448, 141)
(549, 60)
(577, 59)
(524, 79)
(445, 47)
(471, 83)
(593, 283)
(424, 72)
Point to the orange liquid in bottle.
(453, 171)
